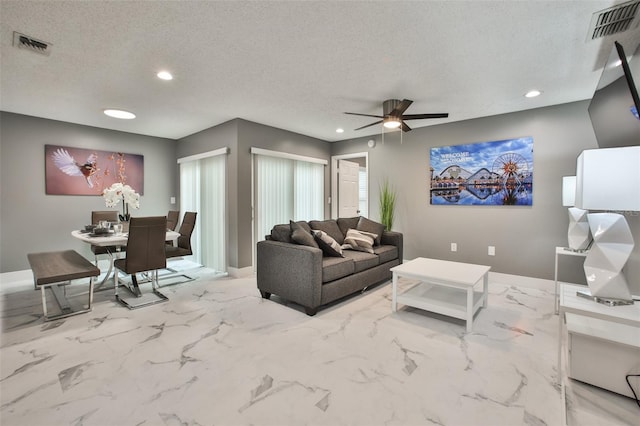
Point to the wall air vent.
(613, 20)
(22, 41)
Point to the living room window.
(286, 187)
(363, 192)
(203, 190)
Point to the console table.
(600, 328)
(563, 251)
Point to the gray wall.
(524, 237)
(240, 136)
(30, 220)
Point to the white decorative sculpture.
(579, 234)
(612, 247)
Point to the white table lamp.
(609, 179)
(579, 234)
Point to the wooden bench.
(55, 270)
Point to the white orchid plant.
(127, 194)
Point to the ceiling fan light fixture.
(392, 123)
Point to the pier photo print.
(497, 173)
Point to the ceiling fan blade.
(368, 125)
(405, 128)
(402, 107)
(423, 116)
(364, 115)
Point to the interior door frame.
(334, 178)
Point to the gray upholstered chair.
(184, 240)
(145, 253)
(97, 216)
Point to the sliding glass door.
(203, 190)
(286, 187)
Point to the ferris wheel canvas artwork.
(497, 173)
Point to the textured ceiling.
(296, 65)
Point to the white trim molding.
(208, 154)
(288, 156)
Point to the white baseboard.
(240, 272)
(24, 279)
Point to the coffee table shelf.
(447, 301)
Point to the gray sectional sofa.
(301, 261)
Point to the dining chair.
(184, 240)
(97, 216)
(172, 222)
(183, 248)
(145, 253)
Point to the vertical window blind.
(203, 190)
(286, 188)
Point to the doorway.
(362, 159)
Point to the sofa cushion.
(362, 260)
(281, 233)
(328, 245)
(346, 223)
(334, 268)
(369, 225)
(359, 240)
(330, 227)
(301, 236)
(386, 253)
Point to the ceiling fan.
(392, 115)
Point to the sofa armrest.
(291, 271)
(395, 239)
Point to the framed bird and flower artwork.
(80, 171)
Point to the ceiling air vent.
(613, 20)
(22, 41)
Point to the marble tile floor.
(218, 354)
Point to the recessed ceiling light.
(118, 113)
(165, 75)
(532, 93)
(339, 130)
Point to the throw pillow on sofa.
(346, 223)
(368, 225)
(359, 240)
(329, 246)
(330, 227)
(301, 236)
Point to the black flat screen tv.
(615, 105)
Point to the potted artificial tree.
(387, 204)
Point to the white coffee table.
(445, 287)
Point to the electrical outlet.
(492, 251)
(454, 247)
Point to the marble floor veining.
(218, 354)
